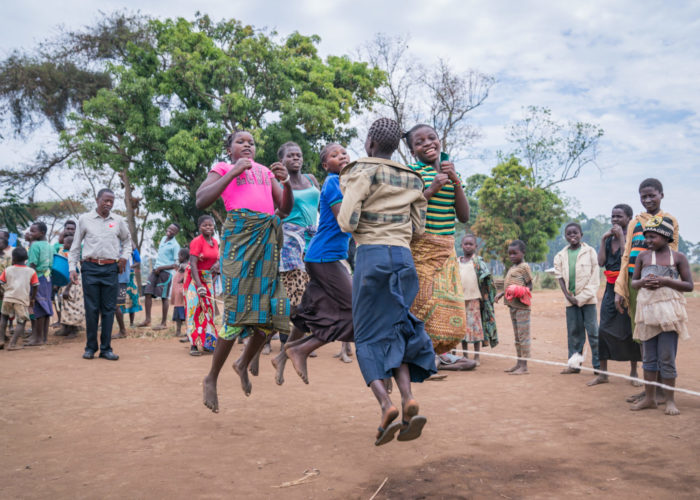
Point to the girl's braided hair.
(386, 133)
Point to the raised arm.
(283, 197)
(215, 183)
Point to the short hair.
(41, 226)
(176, 225)
(228, 140)
(409, 135)
(184, 250)
(5, 233)
(284, 147)
(574, 224)
(469, 235)
(386, 133)
(202, 218)
(103, 191)
(651, 183)
(19, 254)
(625, 208)
(70, 222)
(520, 244)
(326, 151)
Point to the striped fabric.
(441, 215)
(638, 245)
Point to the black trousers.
(100, 288)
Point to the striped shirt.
(441, 214)
(638, 245)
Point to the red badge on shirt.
(111, 225)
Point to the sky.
(631, 67)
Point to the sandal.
(412, 429)
(194, 351)
(386, 435)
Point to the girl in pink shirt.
(255, 303)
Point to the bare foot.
(636, 397)
(162, 326)
(643, 404)
(254, 366)
(660, 399)
(266, 349)
(344, 357)
(410, 410)
(34, 343)
(13, 348)
(600, 379)
(568, 371)
(279, 363)
(144, 324)
(299, 362)
(635, 383)
(210, 398)
(243, 374)
(671, 408)
(511, 369)
(522, 370)
(120, 335)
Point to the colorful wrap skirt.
(254, 297)
(440, 300)
(201, 325)
(132, 296)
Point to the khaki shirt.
(100, 238)
(383, 202)
(587, 273)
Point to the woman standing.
(255, 303)
(199, 287)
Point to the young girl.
(132, 305)
(660, 317)
(177, 292)
(615, 340)
(383, 207)
(325, 309)
(518, 284)
(255, 303)
(479, 296)
(72, 303)
(199, 288)
(440, 299)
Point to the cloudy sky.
(633, 67)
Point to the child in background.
(517, 285)
(132, 305)
(5, 257)
(40, 258)
(576, 268)
(20, 284)
(72, 303)
(660, 316)
(383, 207)
(479, 296)
(177, 293)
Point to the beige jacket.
(587, 273)
(383, 202)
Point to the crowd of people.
(368, 258)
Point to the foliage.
(512, 207)
(556, 152)
(14, 214)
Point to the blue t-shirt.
(167, 253)
(136, 259)
(329, 244)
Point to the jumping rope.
(575, 362)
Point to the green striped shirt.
(441, 214)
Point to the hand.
(498, 297)
(201, 291)
(572, 299)
(74, 277)
(241, 166)
(65, 295)
(650, 281)
(619, 303)
(122, 265)
(439, 181)
(31, 304)
(617, 231)
(215, 268)
(448, 168)
(280, 171)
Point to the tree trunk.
(130, 215)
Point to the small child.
(383, 207)
(20, 284)
(576, 268)
(517, 285)
(177, 293)
(40, 258)
(73, 305)
(479, 295)
(660, 316)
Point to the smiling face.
(515, 255)
(243, 146)
(425, 145)
(651, 199)
(336, 159)
(655, 241)
(619, 217)
(468, 246)
(206, 228)
(171, 231)
(573, 236)
(293, 159)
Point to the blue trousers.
(100, 289)
(659, 354)
(579, 321)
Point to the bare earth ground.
(137, 428)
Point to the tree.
(512, 207)
(556, 152)
(436, 94)
(14, 214)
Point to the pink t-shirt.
(252, 189)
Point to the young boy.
(383, 207)
(40, 258)
(576, 268)
(20, 283)
(177, 293)
(518, 285)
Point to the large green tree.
(512, 207)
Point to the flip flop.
(413, 428)
(387, 434)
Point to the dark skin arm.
(449, 174)
(194, 271)
(685, 284)
(32, 296)
(501, 294)
(567, 294)
(66, 290)
(602, 254)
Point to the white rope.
(579, 367)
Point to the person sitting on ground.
(576, 268)
(518, 284)
(20, 284)
(160, 279)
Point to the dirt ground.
(137, 428)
